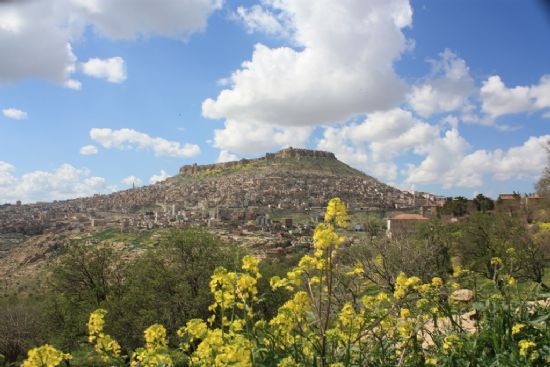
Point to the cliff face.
(288, 153)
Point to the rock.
(462, 295)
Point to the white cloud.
(88, 150)
(14, 113)
(131, 139)
(131, 181)
(62, 183)
(254, 137)
(127, 19)
(258, 19)
(450, 164)
(446, 89)
(225, 156)
(73, 84)
(160, 177)
(39, 33)
(112, 69)
(343, 68)
(373, 144)
(39, 45)
(497, 99)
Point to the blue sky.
(442, 96)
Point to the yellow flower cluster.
(225, 346)
(105, 345)
(155, 353)
(451, 343)
(337, 213)
(233, 289)
(45, 356)
(525, 346)
(516, 329)
(221, 349)
(403, 284)
(155, 337)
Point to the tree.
(20, 323)
(85, 277)
(456, 207)
(169, 284)
(486, 240)
(426, 255)
(483, 203)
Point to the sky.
(450, 97)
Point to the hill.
(291, 179)
(290, 184)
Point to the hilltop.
(284, 161)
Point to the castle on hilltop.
(286, 153)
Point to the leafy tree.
(427, 255)
(456, 207)
(484, 238)
(82, 281)
(483, 203)
(169, 284)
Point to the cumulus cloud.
(39, 34)
(131, 181)
(73, 84)
(14, 113)
(88, 150)
(342, 67)
(258, 19)
(446, 157)
(158, 178)
(373, 144)
(128, 19)
(112, 69)
(451, 163)
(446, 89)
(497, 99)
(255, 137)
(225, 156)
(39, 46)
(62, 183)
(127, 139)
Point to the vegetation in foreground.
(336, 315)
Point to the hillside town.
(210, 196)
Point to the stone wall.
(190, 169)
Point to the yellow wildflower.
(45, 356)
(525, 346)
(251, 265)
(451, 342)
(431, 361)
(96, 323)
(516, 329)
(437, 282)
(155, 337)
(337, 213)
